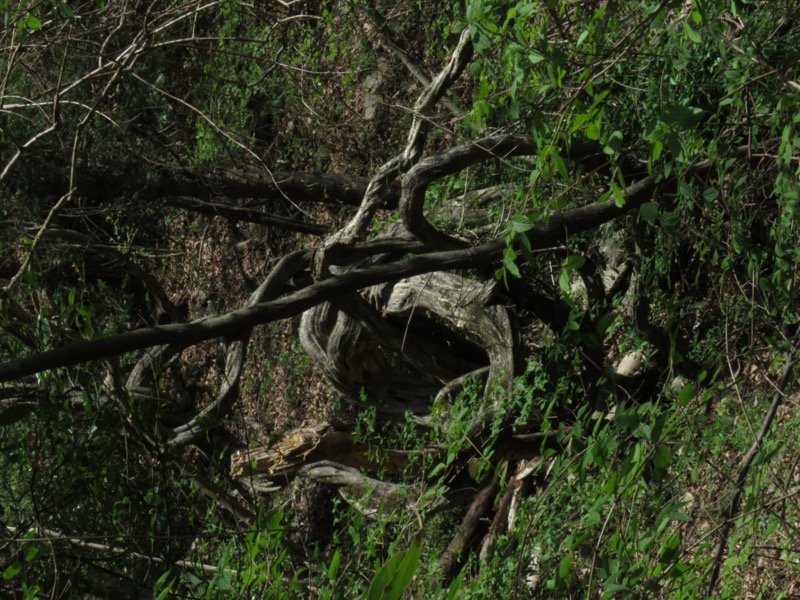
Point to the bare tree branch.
(542, 235)
(417, 135)
(385, 37)
(469, 533)
(236, 213)
(208, 186)
(50, 535)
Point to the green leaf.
(564, 567)
(613, 143)
(521, 223)
(710, 194)
(593, 131)
(558, 56)
(604, 322)
(626, 421)
(334, 567)
(686, 394)
(670, 222)
(15, 413)
(682, 117)
(692, 34)
(574, 262)
(677, 515)
(396, 574)
(525, 248)
(33, 22)
(455, 587)
(579, 121)
(619, 197)
(438, 468)
(563, 281)
(32, 553)
(560, 165)
(662, 457)
(502, 275)
(658, 148)
(12, 570)
(615, 587)
(535, 57)
(508, 262)
(670, 548)
(658, 428)
(164, 586)
(649, 212)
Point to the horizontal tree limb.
(117, 180)
(329, 188)
(238, 213)
(542, 235)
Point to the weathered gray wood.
(462, 303)
(300, 447)
(371, 497)
(394, 370)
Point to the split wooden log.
(282, 460)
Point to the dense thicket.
(536, 265)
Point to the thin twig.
(384, 33)
(24, 268)
(730, 513)
(54, 535)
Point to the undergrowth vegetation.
(674, 478)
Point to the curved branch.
(417, 180)
(543, 235)
(236, 352)
(463, 303)
(352, 361)
(233, 322)
(383, 31)
(417, 350)
(367, 495)
(417, 135)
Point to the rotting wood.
(296, 449)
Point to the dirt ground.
(215, 265)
